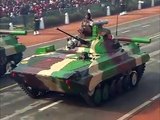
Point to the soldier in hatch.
(86, 26)
(85, 31)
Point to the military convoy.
(11, 51)
(95, 67)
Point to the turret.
(97, 27)
(22, 32)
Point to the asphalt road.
(15, 105)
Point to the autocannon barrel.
(136, 39)
(15, 32)
(77, 38)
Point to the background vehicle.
(11, 52)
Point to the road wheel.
(119, 85)
(140, 70)
(97, 96)
(2, 70)
(126, 82)
(133, 79)
(105, 92)
(112, 88)
(9, 66)
(33, 93)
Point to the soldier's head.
(106, 34)
(72, 43)
(88, 16)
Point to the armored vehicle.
(10, 50)
(95, 66)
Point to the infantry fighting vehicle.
(11, 51)
(95, 66)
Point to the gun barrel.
(79, 39)
(22, 32)
(66, 33)
(138, 40)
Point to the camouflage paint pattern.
(52, 70)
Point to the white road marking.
(134, 111)
(25, 109)
(137, 20)
(10, 86)
(152, 60)
(137, 25)
(13, 101)
(157, 35)
(149, 45)
(146, 26)
(126, 31)
(51, 105)
(158, 61)
(155, 97)
(154, 53)
(46, 42)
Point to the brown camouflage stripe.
(46, 63)
(50, 83)
(55, 67)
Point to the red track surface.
(151, 112)
(52, 34)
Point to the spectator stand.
(21, 12)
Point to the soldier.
(36, 24)
(123, 7)
(86, 26)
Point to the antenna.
(117, 19)
(117, 25)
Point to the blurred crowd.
(23, 7)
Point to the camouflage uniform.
(86, 26)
